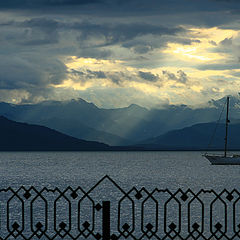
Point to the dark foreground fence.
(107, 212)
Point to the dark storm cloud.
(36, 35)
(140, 5)
(168, 12)
(120, 33)
(43, 3)
(35, 31)
(228, 1)
(30, 72)
(205, 12)
(46, 31)
(143, 46)
(42, 23)
(41, 31)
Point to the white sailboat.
(225, 159)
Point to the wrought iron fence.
(107, 212)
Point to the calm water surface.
(149, 169)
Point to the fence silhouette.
(107, 212)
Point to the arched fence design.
(107, 212)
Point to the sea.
(141, 195)
(161, 169)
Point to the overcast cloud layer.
(117, 52)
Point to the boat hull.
(221, 160)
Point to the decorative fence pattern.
(107, 212)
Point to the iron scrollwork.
(107, 212)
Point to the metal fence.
(107, 212)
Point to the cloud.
(218, 66)
(146, 44)
(40, 31)
(30, 73)
(44, 3)
(142, 46)
(88, 74)
(131, 5)
(88, 34)
(142, 80)
(116, 78)
(42, 23)
(96, 74)
(181, 76)
(148, 76)
(115, 96)
(34, 31)
(171, 13)
(169, 75)
(226, 42)
(14, 96)
(111, 77)
(213, 43)
(134, 44)
(111, 34)
(95, 52)
(142, 49)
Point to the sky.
(118, 52)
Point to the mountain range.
(132, 125)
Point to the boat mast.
(226, 135)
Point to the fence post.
(106, 220)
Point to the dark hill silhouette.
(17, 136)
(196, 137)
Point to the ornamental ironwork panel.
(107, 212)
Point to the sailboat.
(225, 159)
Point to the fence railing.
(107, 212)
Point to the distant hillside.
(196, 137)
(17, 136)
(120, 126)
(78, 129)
